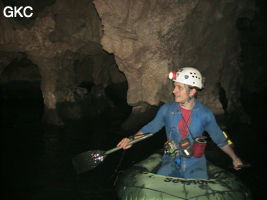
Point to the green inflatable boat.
(140, 183)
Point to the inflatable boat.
(140, 183)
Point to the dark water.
(36, 158)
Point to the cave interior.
(81, 75)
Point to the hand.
(124, 143)
(237, 163)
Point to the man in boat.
(185, 121)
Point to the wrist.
(235, 158)
(132, 137)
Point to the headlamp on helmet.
(172, 75)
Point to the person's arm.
(152, 127)
(230, 152)
(219, 138)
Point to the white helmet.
(189, 76)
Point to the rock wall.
(149, 38)
(57, 40)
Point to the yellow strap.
(228, 140)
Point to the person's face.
(181, 93)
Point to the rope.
(116, 170)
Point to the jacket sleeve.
(214, 131)
(157, 123)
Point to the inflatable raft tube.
(140, 183)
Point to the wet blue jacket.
(202, 119)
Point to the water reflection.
(57, 177)
(36, 159)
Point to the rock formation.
(149, 38)
(63, 41)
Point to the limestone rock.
(59, 36)
(149, 38)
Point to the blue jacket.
(202, 120)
